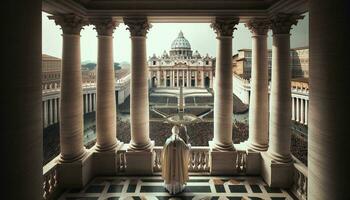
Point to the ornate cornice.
(70, 23)
(104, 26)
(138, 26)
(224, 26)
(258, 26)
(282, 23)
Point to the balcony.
(202, 185)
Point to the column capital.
(104, 26)
(70, 23)
(224, 26)
(138, 26)
(258, 26)
(282, 23)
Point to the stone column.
(50, 111)
(54, 110)
(222, 150)
(302, 111)
(165, 78)
(202, 78)
(259, 105)
(140, 149)
(45, 114)
(71, 126)
(277, 162)
(293, 108)
(90, 102)
(105, 86)
(21, 100)
(172, 78)
(298, 110)
(177, 78)
(211, 79)
(188, 78)
(328, 138)
(158, 78)
(280, 107)
(195, 78)
(306, 111)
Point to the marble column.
(106, 125)
(177, 78)
(202, 78)
(139, 106)
(158, 78)
(298, 110)
(172, 78)
(258, 106)
(222, 154)
(223, 101)
(301, 111)
(71, 126)
(306, 111)
(21, 100)
(280, 97)
(55, 110)
(195, 78)
(90, 102)
(188, 78)
(50, 111)
(45, 114)
(140, 149)
(211, 79)
(328, 138)
(86, 103)
(293, 108)
(165, 78)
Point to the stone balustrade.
(199, 159)
(299, 187)
(50, 183)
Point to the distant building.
(51, 71)
(299, 62)
(181, 67)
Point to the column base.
(75, 174)
(276, 174)
(105, 162)
(222, 162)
(140, 162)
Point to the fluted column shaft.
(139, 105)
(71, 110)
(258, 106)
(105, 87)
(328, 138)
(223, 100)
(280, 96)
(202, 78)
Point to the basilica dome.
(180, 42)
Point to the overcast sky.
(159, 38)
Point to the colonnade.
(300, 109)
(182, 77)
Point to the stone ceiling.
(175, 10)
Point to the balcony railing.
(299, 188)
(50, 183)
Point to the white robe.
(175, 158)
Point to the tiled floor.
(198, 187)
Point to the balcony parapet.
(50, 180)
(299, 187)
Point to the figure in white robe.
(175, 158)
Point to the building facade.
(181, 67)
(299, 62)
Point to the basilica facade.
(181, 67)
